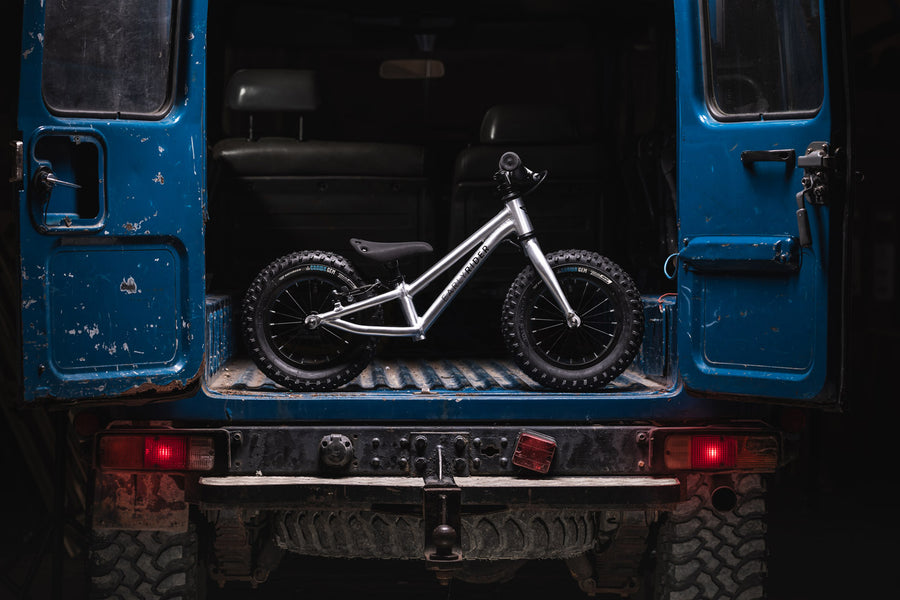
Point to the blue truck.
(168, 151)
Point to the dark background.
(832, 523)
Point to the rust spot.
(175, 386)
(140, 501)
(133, 397)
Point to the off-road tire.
(583, 358)
(706, 553)
(305, 370)
(145, 565)
(509, 534)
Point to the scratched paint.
(129, 286)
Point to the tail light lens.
(711, 452)
(149, 452)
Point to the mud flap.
(140, 502)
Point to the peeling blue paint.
(107, 308)
(752, 303)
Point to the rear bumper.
(276, 492)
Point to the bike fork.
(533, 251)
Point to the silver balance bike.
(572, 320)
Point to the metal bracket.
(818, 156)
(17, 171)
(818, 163)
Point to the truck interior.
(329, 120)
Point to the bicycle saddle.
(386, 251)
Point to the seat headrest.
(527, 124)
(272, 90)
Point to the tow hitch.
(443, 546)
(441, 501)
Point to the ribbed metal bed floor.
(419, 375)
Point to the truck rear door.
(752, 295)
(111, 216)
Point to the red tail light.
(750, 452)
(149, 452)
(165, 452)
(713, 452)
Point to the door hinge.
(16, 173)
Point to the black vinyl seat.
(276, 194)
(388, 251)
(310, 158)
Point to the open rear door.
(111, 214)
(752, 290)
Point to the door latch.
(818, 163)
(46, 180)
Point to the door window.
(108, 58)
(763, 58)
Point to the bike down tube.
(488, 236)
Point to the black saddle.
(387, 251)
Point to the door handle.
(46, 180)
(789, 156)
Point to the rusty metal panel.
(140, 501)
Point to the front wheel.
(579, 358)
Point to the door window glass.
(105, 58)
(764, 58)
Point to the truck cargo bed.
(230, 372)
(420, 376)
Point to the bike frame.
(511, 219)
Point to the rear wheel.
(579, 358)
(146, 565)
(282, 345)
(713, 545)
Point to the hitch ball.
(444, 538)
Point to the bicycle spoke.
(290, 341)
(284, 314)
(595, 307)
(548, 327)
(597, 330)
(591, 343)
(294, 300)
(283, 323)
(332, 333)
(554, 309)
(559, 337)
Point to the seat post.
(393, 268)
